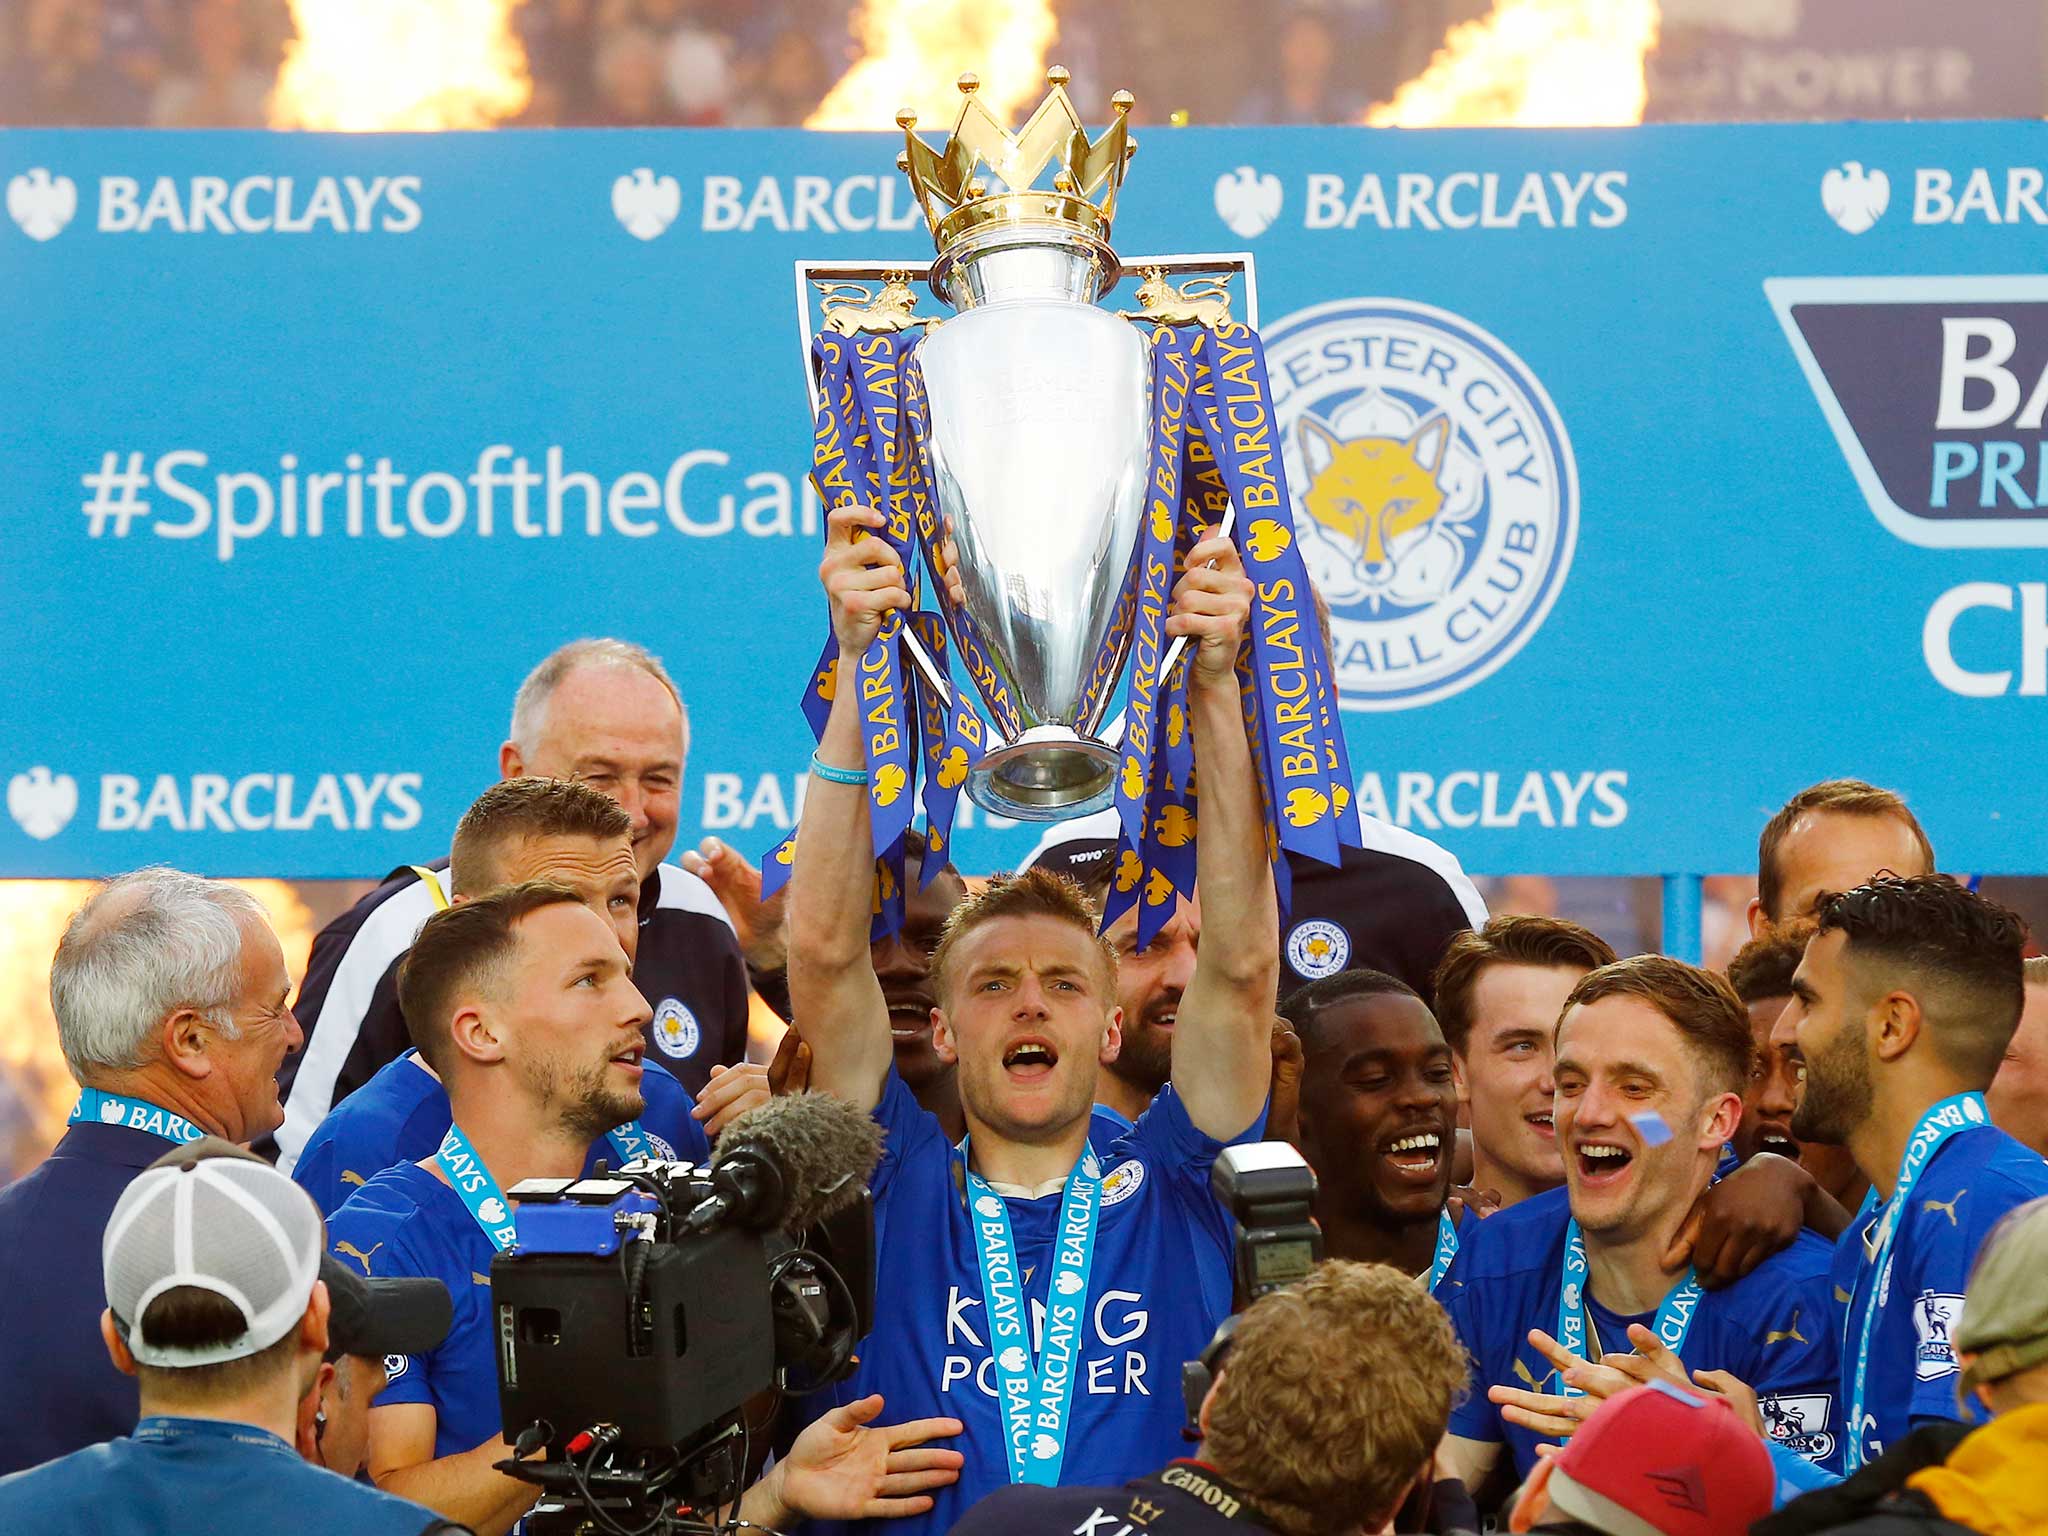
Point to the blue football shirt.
(1775, 1328)
(406, 1222)
(1973, 1179)
(1160, 1283)
(401, 1114)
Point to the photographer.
(521, 1003)
(1325, 1413)
(215, 1305)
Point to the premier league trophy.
(1050, 462)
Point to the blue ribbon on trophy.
(1005, 445)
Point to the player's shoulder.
(1524, 1237)
(395, 1210)
(1797, 1269)
(1995, 1158)
(680, 893)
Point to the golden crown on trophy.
(956, 201)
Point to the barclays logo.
(42, 803)
(1855, 198)
(1435, 493)
(646, 204)
(42, 204)
(1247, 201)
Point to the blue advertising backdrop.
(1651, 474)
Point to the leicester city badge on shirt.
(1122, 1182)
(675, 1029)
(1317, 948)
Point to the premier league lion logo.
(1436, 496)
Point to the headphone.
(1197, 1376)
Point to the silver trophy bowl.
(1040, 416)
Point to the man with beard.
(1129, 1254)
(1650, 1056)
(1499, 990)
(1903, 1007)
(1378, 1119)
(521, 1002)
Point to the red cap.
(1662, 1461)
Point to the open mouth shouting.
(1602, 1164)
(1776, 1138)
(1030, 1059)
(910, 1015)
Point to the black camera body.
(1270, 1192)
(636, 1314)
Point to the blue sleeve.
(910, 1132)
(1183, 1154)
(668, 1115)
(369, 1241)
(1473, 1416)
(1937, 1274)
(1798, 1379)
(1796, 1475)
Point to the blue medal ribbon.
(1035, 1397)
(629, 1141)
(487, 1204)
(96, 1106)
(1446, 1249)
(1952, 1116)
(1672, 1323)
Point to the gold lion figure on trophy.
(849, 308)
(1199, 301)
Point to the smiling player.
(1378, 1116)
(1650, 1057)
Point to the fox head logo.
(1379, 495)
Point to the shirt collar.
(165, 1429)
(121, 1145)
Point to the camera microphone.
(792, 1162)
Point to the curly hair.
(1511, 938)
(1763, 967)
(1957, 953)
(1334, 1396)
(1699, 1004)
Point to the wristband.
(833, 775)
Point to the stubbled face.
(2019, 1094)
(1828, 1033)
(1829, 1162)
(1827, 852)
(616, 729)
(903, 967)
(1379, 1108)
(1505, 1074)
(569, 1020)
(1149, 984)
(1771, 1097)
(599, 870)
(1619, 1059)
(1028, 1012)
(266, 1034)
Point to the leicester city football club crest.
(1435, 493)
(675, 1028)
(1122, 1182)
(1316, 948)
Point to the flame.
(914, 49)
(1533, 64)
(32, 918)
(368, 65)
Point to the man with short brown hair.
(1832, 836)
(1325, 1412)
(1651, 1057)
(1128, 1254)
(1499, 990)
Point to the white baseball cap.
(230, 1225)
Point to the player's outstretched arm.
(1222, 1053)
(832, 988)
(467, 1488)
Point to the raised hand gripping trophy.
(1052, 462)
